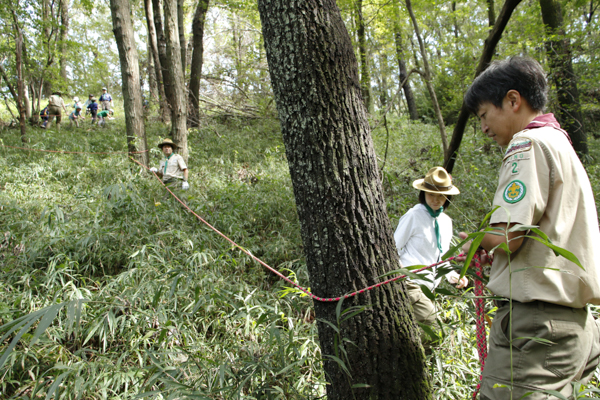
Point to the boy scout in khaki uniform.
(172, 169)
(541, 182)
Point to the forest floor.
(116, 292)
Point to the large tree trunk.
(175, 72)
(64, 34)
(429, 78)
(197, 60)
(486, 57)
(130, 76)
(345, 228)
(365, 76)
(402, 72)
(558, 49)
(162, 98)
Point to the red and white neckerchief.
(547, 120)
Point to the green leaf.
(559, 251)
(46, 321)
(55, 385)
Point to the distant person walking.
(105, 100)
(93, 108)
(55, 107)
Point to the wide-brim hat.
(168, 142)
(437, 180)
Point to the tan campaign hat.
(437, 180)
(168, 142)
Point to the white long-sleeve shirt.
(416, 241)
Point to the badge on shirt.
(518, 146)
(514, 192)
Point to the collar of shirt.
(547, 120)
(167, 162)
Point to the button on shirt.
(542, 182)
(416, 241)
(174, 167)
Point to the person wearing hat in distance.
(423, 235)
(543, 336)
(172, 169)
(93, 109)
(87, 103)
(105, 100)
(55, 106)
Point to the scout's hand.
(484, 258)
(153, 170)
(455, 279)
(185, 185)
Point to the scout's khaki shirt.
(542, 182)
(174, 168)
(56, 101)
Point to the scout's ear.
(514, 100)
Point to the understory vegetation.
(123, 294)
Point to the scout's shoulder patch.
(518, 146)
(514, 192)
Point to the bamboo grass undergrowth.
(171, 310)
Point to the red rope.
(76, 152)
(480, 322)
(479, 300)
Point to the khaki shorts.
(573, 354)
(55, 111)
(423, 308)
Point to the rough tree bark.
(162, 99)
(175, 72)
(558, 49)
(402, 72)
(197, 60)
(345, 228)
(486, 57)
(429, 78)
(130, 76)
(365, 76)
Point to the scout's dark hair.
(424, 202)
(523, 74)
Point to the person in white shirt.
(423, 235)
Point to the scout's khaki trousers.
(570, 352)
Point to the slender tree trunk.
(491, 13)
(130, 76)
(402, 72)
(486, 57)
(20, 98)
(162, 98)
(64, 34)
(345, 228)
(175, 72)
(167, 76)
(558, 49)
(181, 25)
(365, 76)
(429, 78)
(197, 60)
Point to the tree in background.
(345, 227)
(130, 75)
(197, 57)
(558, 48)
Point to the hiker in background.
(103, 117)
(172, 169)
(423, 235)
(44, 116)
(87, 103)
(105, 100)
(55, 107)
(77, 103)
(93, 108)
(543, 336)
(75, 116)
